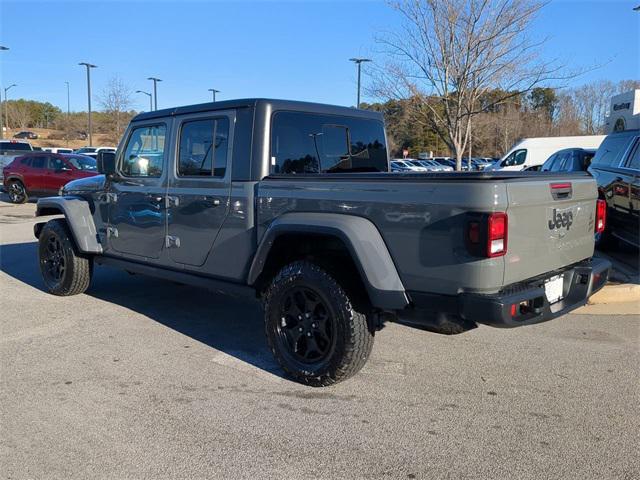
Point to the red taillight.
(601, 215)
(497, 234)
(486, 234)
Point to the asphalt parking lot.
(140, 378)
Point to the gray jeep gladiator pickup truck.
(293, 203)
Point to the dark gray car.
(292, 203)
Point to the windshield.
(81, 162)
(86, 150)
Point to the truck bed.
(423, 218)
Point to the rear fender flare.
(364, 242)
(78, 216)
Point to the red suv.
(44, 174)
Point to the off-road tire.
(75, 276)
(352, 337)
(14, 196)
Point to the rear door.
(199, 185)
(35, 176)
(551, 224)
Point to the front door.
(199, 186)
(136, 195)
(58, 174)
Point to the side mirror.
(106, 162)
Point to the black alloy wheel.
(306, 325)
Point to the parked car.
(58, 150)
(26, 134)
(249, 199)
(434, 166)
(532, 152)
(399, 166)
(406, 165)
(450, 162)
(479, 163)
(616, 168)
(569, 160)
(93, 151)
(44, 174)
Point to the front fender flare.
(78, 216)
(361, 237)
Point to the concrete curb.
(622, 293)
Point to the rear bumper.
(527, 298)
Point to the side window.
(56, 163)
(520, 157)
(515, 158)
(633, 161)
(560, 165)
(203, 148)
(295, 143)
(548, 164)
(25, 161)
(144, 154)
(38, 162)
(611, 151)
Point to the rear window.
(310, 143)
(611, 151)
(14, 146)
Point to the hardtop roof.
(274, 104)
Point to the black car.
(616, 168)
(26, 134)
(569, 160)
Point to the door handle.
(211, 201)
(155, 198)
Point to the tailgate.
(551, 224)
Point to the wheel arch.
(77, 214)
(359, 237)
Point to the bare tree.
(19, 113)
(451, 53)
(116, 98)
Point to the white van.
(532, 152)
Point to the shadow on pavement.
(626, 263)
(229, 325)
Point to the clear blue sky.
(296, 49)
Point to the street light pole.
(214, 91)
(6, 110)
(2, 49)
(359, 62)
(89, 67)
(68, 103)
(150, 99)
(155, 91)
